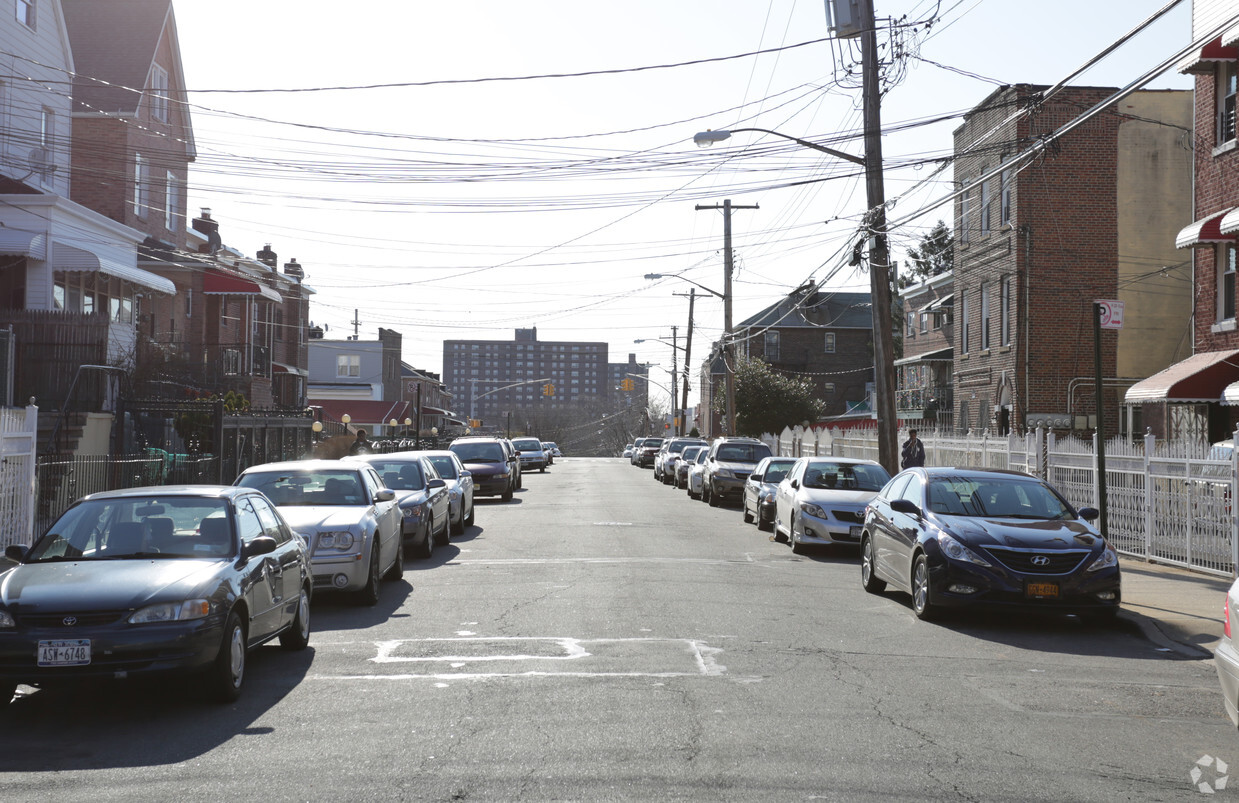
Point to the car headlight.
(811, 509)
(724, 472)
(6, 620)
(957, 551)
(1107, 559)
(185, 611)
(336, 540)
(411, 512)
(765, 496)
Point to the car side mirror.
(1089, 513)
(385, 495)
(262, 545)
(755, 477)
(465, 474)
(905, 506)
(436, 484)
(16, 552)
(794, 483)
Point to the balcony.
(924, 400)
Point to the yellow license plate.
(1041, 590)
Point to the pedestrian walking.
(913, 451)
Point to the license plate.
(854, 531)
(1041, 590)
(64, 652)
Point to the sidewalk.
(1176, 609)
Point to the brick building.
(923, 388)
(1092, 217)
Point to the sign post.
(1107, 314)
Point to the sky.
(460, 170)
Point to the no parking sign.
(1111, 313)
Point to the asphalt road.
(604, 637)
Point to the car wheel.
(921, 605)
(470, 517)
(748, 517)
(797, 547)
(542, 469)
(507, 494)
(713, 495)
(868, 579)
(458, 526)
(227, 672)
(396, 570)
(297, 636)
(428, 543)
(445, 534)
(369, 593)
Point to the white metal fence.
(1170, 502)
(18, 436)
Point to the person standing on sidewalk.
(913, 451)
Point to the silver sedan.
(822, 500)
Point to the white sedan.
(822, 500)
(350, 522)
(697, 474)
(1227, 657)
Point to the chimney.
(292, 268)
(205, 225)
(268, 257)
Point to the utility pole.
(729, 346)
(356, 322)
(688, 356)
(879, 255)
(675, 419)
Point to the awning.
(941, 355)
(1204, 232)
(1200, 378)
(1230, 396)
(31, 244)
(364, 412)
(1204, 59)
(947, 300)
(216, 282)
(70, 258)
(427, 409)
(283, 368)
(1230, 222)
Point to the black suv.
(730, 463)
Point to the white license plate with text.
(64, 652)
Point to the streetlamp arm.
(683, 279)
(710, 137)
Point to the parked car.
(514, 460)
(682, 466)
(147, 581)
(627, 452)
(954, 537)
(487, 460)
(822, 500)
(531, 455)
(669, 454)
(425, 503)
(1227, 657)
(548, 450)
(696, 476)
(555, 451)
(459, 486)
(757, 501)
(636, 450)
(649, 447)
(728, 465)
(350, 521)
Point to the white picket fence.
(18, 435)
(1169, 502)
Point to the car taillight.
(1226, 619)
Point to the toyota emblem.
(1040, 560)
(69, 621)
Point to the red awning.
(1207, 56)
(1204, 232)
(428, 410)
(216, 282)
(1200, 378)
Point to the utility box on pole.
(843, 18)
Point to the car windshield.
(310, 487)
(527, 444)
(996, 498)
(775, 472)
(845, 476)
(479, 452)
(139, 527)
(445, 465)
(742, 452)
(690, 453)
(652, 443)
(400, 475)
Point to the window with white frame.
(925, 323)
(47, 130)
(139, 186)
(350, 365)
(171, 201)
(963, 323)
(1004, 311)
(189, 302)
(1227, 86)
(985, 309)
(830, 343)
(159, 93)
(26, 13)
(1226, 286)
(911, 328)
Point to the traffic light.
(666, 426)
(476, 423)
(627, 385)
(548, 389)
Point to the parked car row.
(189, 579)
(948, 537)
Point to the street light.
(879, 262)
(677, 415)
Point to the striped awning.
(1220, 50)
(217, 282)
(1201, 377)
(71, 258)
(1205, 232)
(14, 242)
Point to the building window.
(1004, 313)
(172, 201)
(159, 93)
(924, 323)
(1227, 84)
(911, 327)
(965, 214)
(1004, 193)
(47, 130)
(1226, 287)
(189, 302)
(830, 343)
(985, 202)
(349, 365)
(963, 323)
(139, 186)
(26, 13)
(772, 346)
(985, 316)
